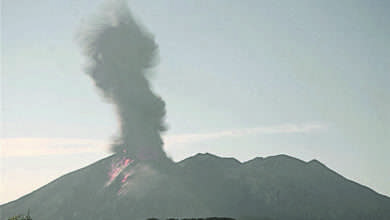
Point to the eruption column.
(120, 54)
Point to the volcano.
(205, 185)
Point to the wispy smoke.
(120, 54)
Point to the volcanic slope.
(278, 187)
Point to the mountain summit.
(278, 187)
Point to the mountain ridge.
(204, 185)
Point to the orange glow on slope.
(117, 167)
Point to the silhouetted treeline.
(20, 217)
(216, 218)
(211, 218)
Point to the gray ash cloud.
(120, 54)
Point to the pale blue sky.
(224, 65)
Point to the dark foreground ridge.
(278, 187)
(211, 218)
(216, 218)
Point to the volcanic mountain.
(277, 187)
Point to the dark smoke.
(120, 54)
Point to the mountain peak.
(207, 185)
(208, 158)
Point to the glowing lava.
(125, 176)
(117, 167)
(123, 169)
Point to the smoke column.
(120, 54)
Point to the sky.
(240, 79)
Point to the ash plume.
(120, 54)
